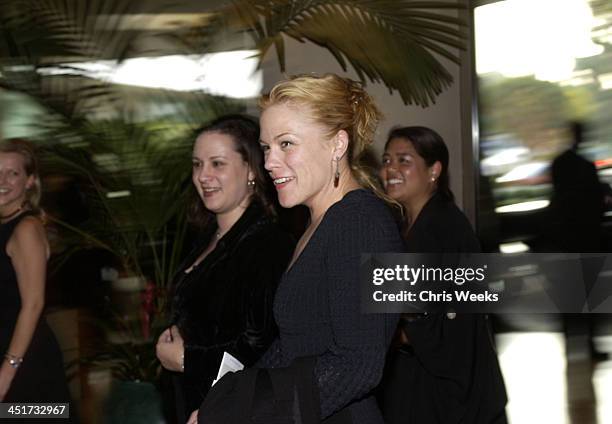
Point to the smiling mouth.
(211, 189)
(394, 181)
(282, 180)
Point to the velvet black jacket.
(225, 303)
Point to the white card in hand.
(228, 364)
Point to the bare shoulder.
(28, 234)
(30, 226)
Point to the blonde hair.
(339, 104)
(30, 163)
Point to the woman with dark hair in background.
(415, 174)
(444, 368)
(223, 292)
(32, 368)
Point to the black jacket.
(225, 303)
(441, 228)
(449, 374)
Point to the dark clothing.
(318, 312)
(574, 225)
(285, 395)
(41, 377)
(441, 228)
(317, 307)
(449, 373)
(576, 206)
(225, 303)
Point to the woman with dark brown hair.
(223, 292)
(444, 369)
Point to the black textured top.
(317, 307)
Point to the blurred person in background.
(222, 293)
(577, 203)
(443, 368)
(574, 225)
(32, 368)
(329, 356)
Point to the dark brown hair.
(244, 131)
(431, 147)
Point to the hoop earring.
(337, 173)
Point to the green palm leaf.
(67, 29)
(394, 42)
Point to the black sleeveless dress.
(41, 376)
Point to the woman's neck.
(10, 211)
(330, 195)
(227, 220)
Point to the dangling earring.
(251, 183)
(337, 173)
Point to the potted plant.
(137, 195)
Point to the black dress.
(450, 372)
(225, 303)
(41, 376)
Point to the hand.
(170, 349)
(7, 372)
(193, 418)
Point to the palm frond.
(394, 42)
(154, 173)
(52, 29)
